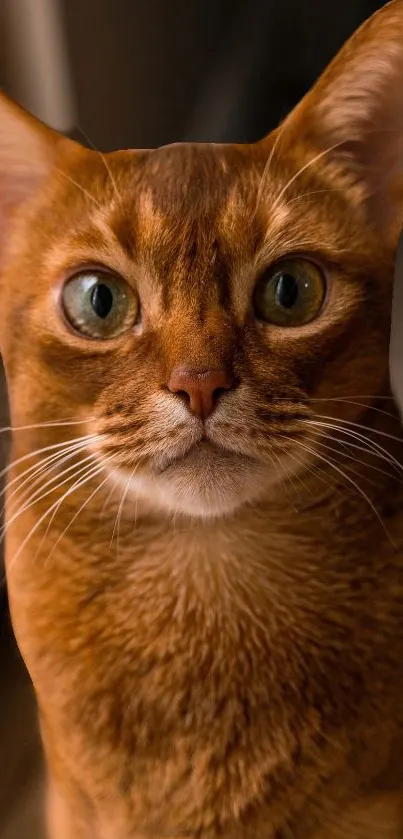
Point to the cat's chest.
(172, 632)
(159, 679)
(188, 675)
(240, 605)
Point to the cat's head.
(198, 305)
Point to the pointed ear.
(354, 115)
(28, 150)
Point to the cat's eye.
(100, 304)
(290, 293)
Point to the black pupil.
(286, 291)
(101, 300)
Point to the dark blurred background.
(141, 73)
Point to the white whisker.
(314, 468)
(306, 166)
(107, 499)
(79, 187)
(82, 468)
(45, 465)
(371, 396)
(53, 481)
(353, 483)
(39, 497)
(105, 163)
(346, 401)
(359, 425)
(76, 514)
(315, 192)
(120, 508)
(36, 452)
(360, 443)
(356, 435)
(90, 474)
(47, 424)
(277, 466)
(355, 459)
(267, 167)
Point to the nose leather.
(200, 389)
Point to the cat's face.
(197, 306)
(193, 313)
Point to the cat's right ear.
(28, 151)
(353, 118)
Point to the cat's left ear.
(28, 151)
(354, 115)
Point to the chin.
(206, 483)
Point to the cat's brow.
(93, 242)
(139, 225)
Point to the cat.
(203, 518)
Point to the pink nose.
(199, 388)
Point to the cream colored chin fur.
(202, 485)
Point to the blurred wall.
(148, 72)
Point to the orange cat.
(203, 509)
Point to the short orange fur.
(216, 647)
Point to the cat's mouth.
(203, 478)
(202, 455)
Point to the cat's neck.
(257, 558)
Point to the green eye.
(290, 293)
(99, 304)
